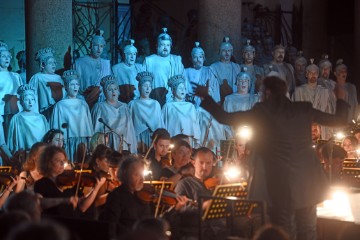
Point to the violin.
(70, 178)
(150, 194)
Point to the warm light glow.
(339, 136)
(338, 206)
(147, 172)
(244, 132)
(171, 146)
(232, 173)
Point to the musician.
(289, 166)
(51, 165)
(181, 163)
(54, 137)
(123, 206)
(159, 154)
(30, 173)
(192, 187)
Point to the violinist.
(30, 172)
(193, 187)
(158, 155)
(99, 164)
(8, 190)
(181, 163)
(123, 205)
(51, 165)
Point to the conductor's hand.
(200, 91)
(339, 91)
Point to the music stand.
(4, 169)
(227, 148)
(157, 185)
(229, 201)
(351, 177)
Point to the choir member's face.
(57, 164)
(164, 48)
(198, 60)
(312, 76)
(73, 88)
(28, 102)
(341, 74)
(180, 92)
(226, 53)
(243, 85)
(162, 147)
(112, 93)
(5, 58)
(97, 49)
(130, 56)
(325, 72)
(136, 177)
(249, 57)
(102, 164)
(279, 55)
(300, 67)
(58, 140)
(50, 66)
(203, 165)
(145, 90)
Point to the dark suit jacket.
(282, 145)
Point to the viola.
(70, 178)
(212, 182)
(149, 194)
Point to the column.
(218, 19)
(48, 23)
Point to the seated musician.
(158, 155)
(193, 187)
(51, 165)
(30, 172)
(123, 205)
(181, 163)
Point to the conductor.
(285, 171)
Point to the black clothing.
(124, 208)
(48, 189)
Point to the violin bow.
(159, 200)
(81, 170)
(151, 146)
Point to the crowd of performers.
(109, 119)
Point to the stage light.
(232, 173)
(245, 132)
(147, 172)
(339, 136)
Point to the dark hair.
(180, 143)
(115, 159)
(29, 164)
(49, 136)
(126, 166)
(45, 164)
(101, 151)
(179, 137)
(26, 201)
(275, 85)
(270, 232)
(203, 150)
(160, 133)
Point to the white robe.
(26, 129)
(44, 95)
(127, 75)
(9, 83)
(239, 102)
(146, 116)
(321, 99)
(74, 112)
(91, 72)
(181, 117)
(227, 71)
(163, 68)
(118, 118)
(216, 131)
(202, 76)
